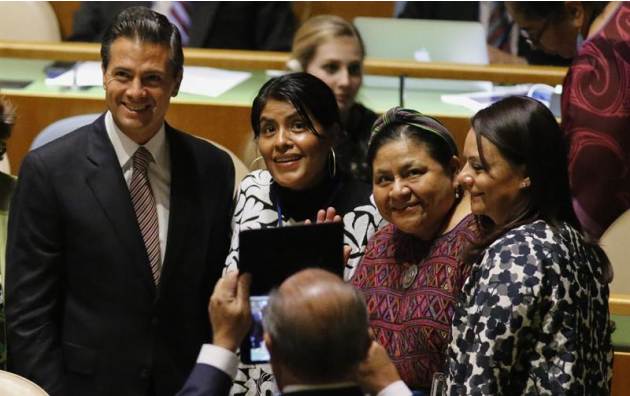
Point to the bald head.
(318, 326)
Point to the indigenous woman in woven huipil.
(533, 318)
(412, 272)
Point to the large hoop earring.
(332, 164)
(251, 164)
(459, 193)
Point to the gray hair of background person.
(145, 25)
(399, 123)
(317, 31)
(310, 97)
(321, 347)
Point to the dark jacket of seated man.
(334, 354)
(246, 25)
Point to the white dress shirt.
(159, 171)
(227, 361)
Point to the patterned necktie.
(499, 27)
(179, 14)
(144, 205)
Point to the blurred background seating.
(39, 15)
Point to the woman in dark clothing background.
(595, 99)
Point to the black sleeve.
(33, 279)
(223, 236)
(206, 380)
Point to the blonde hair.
(316, 31)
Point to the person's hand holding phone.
(229, 310)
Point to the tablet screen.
(273, 254)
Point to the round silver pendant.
(409, 275)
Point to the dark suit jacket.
(207, 380)
(244, 25)
(83, 314)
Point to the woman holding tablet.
(296, 125)
(331, 49)
(533, 318)
(412, 269)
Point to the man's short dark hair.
(145, 25)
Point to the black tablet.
(272, 255)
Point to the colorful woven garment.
(411, 317)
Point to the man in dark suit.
(246, 25)
(316, 331)
(117, 233)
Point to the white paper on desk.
(83, 74)
(197, 80)
(209, 81)
(476, 101)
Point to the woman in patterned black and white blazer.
(534, 314)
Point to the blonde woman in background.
(331, 49)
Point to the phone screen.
(253, 349)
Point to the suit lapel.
(105, 179)
(202, 20)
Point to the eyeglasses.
(533, 40)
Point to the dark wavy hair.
(147, 26)
(310, 96)
(527, 134)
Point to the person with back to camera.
(413, 268)
(533, 318)
(595, 99)
(307, 324)
(331, 49)
(296, 126)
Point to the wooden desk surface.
(224, 119)
(260, 60)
